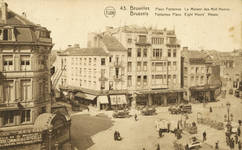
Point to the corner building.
(25, 84)
(153, 63)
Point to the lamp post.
(228, 118)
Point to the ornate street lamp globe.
(228, 105)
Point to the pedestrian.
(216, 145)
(204, 136)
(186, 147)
(115, 135)
(238, 131)
(158, 147)
(160, 132)
(210, 109)
(239, 145)
(135, 117)
(232, 143)
(236, 139)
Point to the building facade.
(153, 64)
(24, 80)
(200, 78)
(143, 65)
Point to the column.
(18, 118)
(133, 104)
(165, 99)
(149, 99)
(1, 62)
(50, 137)
(18, 89)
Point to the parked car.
(121, 114)
(147, 111)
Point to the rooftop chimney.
(4, 9)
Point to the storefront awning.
(85, 96)
(118, 99)
(102, 99)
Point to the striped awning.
(102, 99)
(118, 99)
(85, 96)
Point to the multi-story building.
(25, 99)
(200, 78)
(153, 63)
(97, 73)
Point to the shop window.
(25, 116)
(8, 63)
(8, 118)
(102, 61)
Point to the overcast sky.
(71, 20)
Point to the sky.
(70, 21)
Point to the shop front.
(118, 101)
(85, 98)
(102, 102)
(203, 93)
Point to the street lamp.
(228, 118)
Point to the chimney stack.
(4, 9)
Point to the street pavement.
(143, 134)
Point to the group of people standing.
(232, 140)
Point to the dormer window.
(6, 34)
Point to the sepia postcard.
(120, 74)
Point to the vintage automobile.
(194, 143)
(184, 108)
(121, 114)
(148, 111)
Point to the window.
(110, 85)
(153, 80)
(25, 62)
(117, 72)
(102, 61)
(6, 34)
(102, 85)
(139, 52)
(43, 109)
(8, 117)
(160, 52)
(8, 63)
(90, 61)
(80, 61)
(129, 40)
(174, 65)
(25, 90)
(129, 66)
(145, 79)
(145, 66)
(174, 52)
(197, 69)
(202, 78)
(169, 52)
(169, 65)
(153, 66)
(129, 80)
(174, 78)
(85, 61)
(154, 52)
(8, 91)
(80, 82)
(80, 71)
(94, 73)
(169, 78)
(138, 66)
(138, 80)
(142, 39)
(192, 78)
(129, 52)
(157, 53)
(110, 59)
(102, 73)
(145, 53)
(25, 116)
(94, 61)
